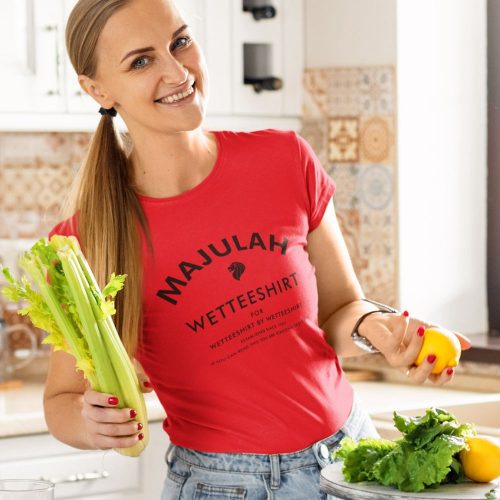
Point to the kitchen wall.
(350, 33)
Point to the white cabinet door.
(30, 51)
(49, 79)
(218, 50)
(92, 475)
(17, 53)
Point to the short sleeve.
(67, 227)
(319, 185)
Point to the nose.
(173, 72)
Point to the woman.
(240, 292)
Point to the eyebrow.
(149, 49)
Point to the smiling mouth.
(177, 97)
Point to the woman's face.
(145, 52)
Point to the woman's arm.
(81, 417)
(340, 306)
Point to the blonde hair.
(109, 216)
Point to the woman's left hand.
(399, 338)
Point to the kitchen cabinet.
(31, 55)
(82, 474)
(41, 91)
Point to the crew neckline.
(206, 182)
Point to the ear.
(94, 90)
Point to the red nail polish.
(112, 401)
(406, 314)
(133, 413)
(147, 384)
(140, 437)
(431, 358)
(421, 331)
(139, 426)
(449, 371)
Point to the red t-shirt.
(231, 339)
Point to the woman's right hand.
(106, 425)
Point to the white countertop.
(21, 410)
(381, 397)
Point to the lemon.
(481, 462)
(443, 344)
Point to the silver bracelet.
(362, 342)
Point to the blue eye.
(136, 65)
(187, 41)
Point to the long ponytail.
(110, 218)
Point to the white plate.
(332, 482)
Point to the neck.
(171, 164)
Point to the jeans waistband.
(261, 463)
(254, 462)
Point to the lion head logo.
(237, 268)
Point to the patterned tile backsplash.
(349, 119)
(36, 172)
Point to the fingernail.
(139, 426)
(112, 401)
(133, 413)
(140, 437)
(449, 371)
(406, 314)
(431, 358)
(421, 331)
(147, 384)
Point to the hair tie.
(111, 112)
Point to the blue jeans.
(197, 475)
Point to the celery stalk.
(105, 374)
(33, 266)
(127, 379)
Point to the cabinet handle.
(260, 84)
(258, 13)
(78, 477)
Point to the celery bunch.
(77, 316)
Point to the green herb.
(77, 316)
(492, 495)
(425, 456)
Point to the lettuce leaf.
(360, 458)
(412, 469)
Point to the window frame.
(493, 190)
